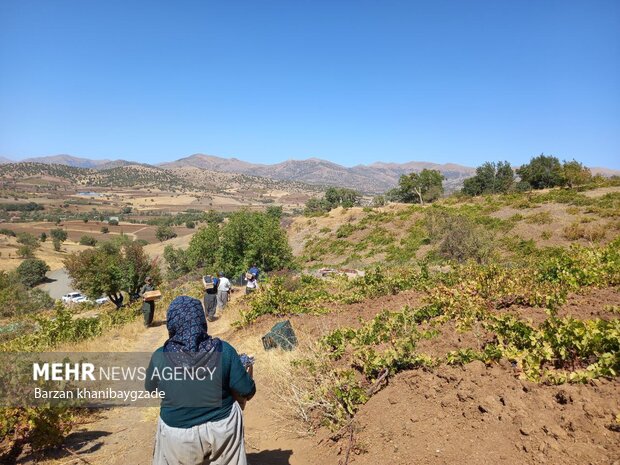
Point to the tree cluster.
(246, 238)
(541, 172)
(334, 197)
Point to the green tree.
(541, 172)
(105, 229)
(43, 237)
(59, 234)
(111, 268)
(32, 271)
(203, 250)
(164, 233)
(113, 222)
(176, 260)
(190, 224)
(425, 186)
(575, 174)
(28, 239)
(253, 237)
(490, 178)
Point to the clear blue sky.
(350, 81)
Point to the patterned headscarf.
(187, 327)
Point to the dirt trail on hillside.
(125, 435)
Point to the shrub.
(540, 218)
(190, 224)
(465, 241)
(88, 240)
(32, 271)
(16, 299)
(459, 237)
(7, 232)
(345, 230)
(25, 251)
(113, 222)
(56, 244)
(589, 232)
(164, 233)
(104, 229)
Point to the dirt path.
(125, 435)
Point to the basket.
(150, 296)
(208, 282)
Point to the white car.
(73, 297)
(79, 298)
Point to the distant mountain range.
(377, 177)
(373, 178)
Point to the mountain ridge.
(372, 178)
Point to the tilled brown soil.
(485, 415)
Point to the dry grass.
(590, 232)
(10, 261)
(543, 217)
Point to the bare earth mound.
(480, 415)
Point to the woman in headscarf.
(200, 422)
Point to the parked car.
(73, 297)
(79, 298)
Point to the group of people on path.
(217, 293)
